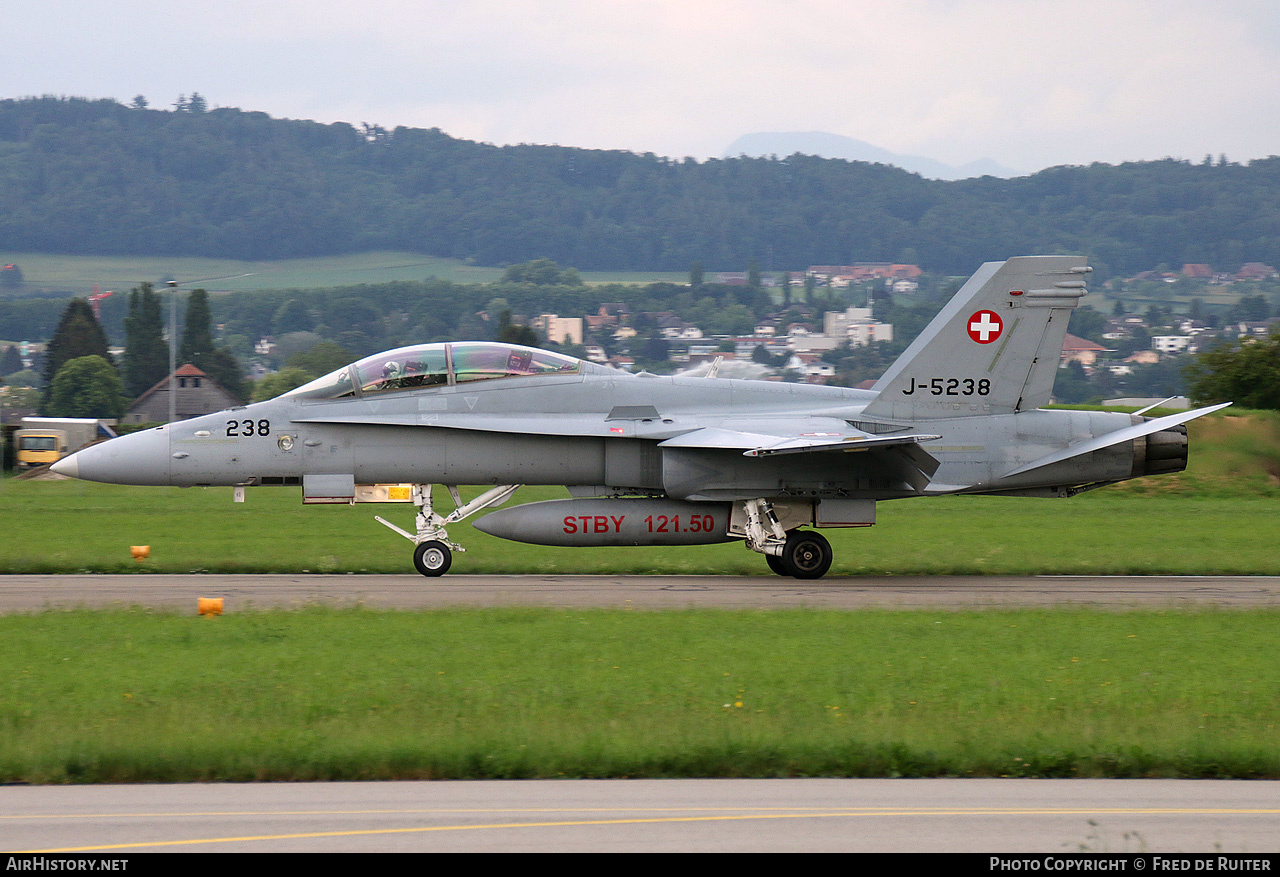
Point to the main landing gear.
(433, 552)
(805, 555)
(802, 554)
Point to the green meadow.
(78, 274)
(72, 526)
(134, 696)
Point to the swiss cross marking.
(985, 326)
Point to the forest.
(99, 176)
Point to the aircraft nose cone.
(139, 458)
(68, 466)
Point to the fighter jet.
(652, 460)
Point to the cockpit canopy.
(435, 365)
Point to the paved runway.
(1059, 817)
(23, 593)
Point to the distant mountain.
(826, 145)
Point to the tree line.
(97, 176)
(368, 318)
(83, 379)
(319, 330)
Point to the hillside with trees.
(97, 176)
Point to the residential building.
(195, 394)
(1255, 271)
(745, 346)
(810, 366)
(839, 276)
(556, 328)
(1253, 329)
(1081, 350)
(1170, 343)
(857, 325)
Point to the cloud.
(1025, 82)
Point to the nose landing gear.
(432, 558)
(433, 552)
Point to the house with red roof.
(195, 393)
(1081, 350)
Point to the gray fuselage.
(604, 432)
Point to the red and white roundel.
(985, 326)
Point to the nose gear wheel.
(432, 558)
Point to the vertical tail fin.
(993, 349)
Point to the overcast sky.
(1027, 83)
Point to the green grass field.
(74, 526)
(137, 696)
(78, 274)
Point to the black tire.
(777, 564)
(432, 558)
(807, 555)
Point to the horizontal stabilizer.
(1129, 433)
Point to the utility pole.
(173, 349)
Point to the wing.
(800, 439)
(899, 457)
(898, 454)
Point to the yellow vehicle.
(44, 440)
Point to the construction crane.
(94, 300)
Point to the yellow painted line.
(824, 814)
(929, 811)
(399, 810)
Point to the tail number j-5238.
(950, 387)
